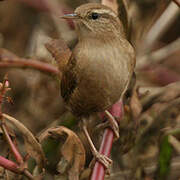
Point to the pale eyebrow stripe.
(105, 11)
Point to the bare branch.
(175, 143)
(155, 72)
(158, 55)
(28, 174)
(13, 148)
(10, 165)
(25, 63)
(161, 26)
(13, 167)
(33, 147)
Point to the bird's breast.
(102, 74)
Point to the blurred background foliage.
(26, 25)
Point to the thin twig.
(13, 148)
(3, 90)
(13, 167)
(28, 174)
(158, 55)
(25, 63)
(155, 72)
(10, 165)
(161, 26)
(175, 143)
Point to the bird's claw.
(104, 160)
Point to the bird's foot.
(104, 160)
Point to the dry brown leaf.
(33, 147)
(60, 51)
(72, 151)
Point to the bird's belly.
(99, 86)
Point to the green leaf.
(164, 159)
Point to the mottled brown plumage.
(100, 68)
(101, 64)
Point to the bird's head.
(95, 19)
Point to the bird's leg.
(100, 157)
(113, 123)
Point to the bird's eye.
(94, 16)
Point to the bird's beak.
(70, 16)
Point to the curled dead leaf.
(33, 147)
(72, 151)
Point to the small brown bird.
(102, 63)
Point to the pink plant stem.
(105, 148)
(107, 141)
(10, 165)
(13, 148)
(160, 74)
(24, 63)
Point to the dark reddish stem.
(107, 141)
(25, 63)
(160, 74)
(13, 148)
(106, 145)
(13, 167)
(2, 94)
(10, 165)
